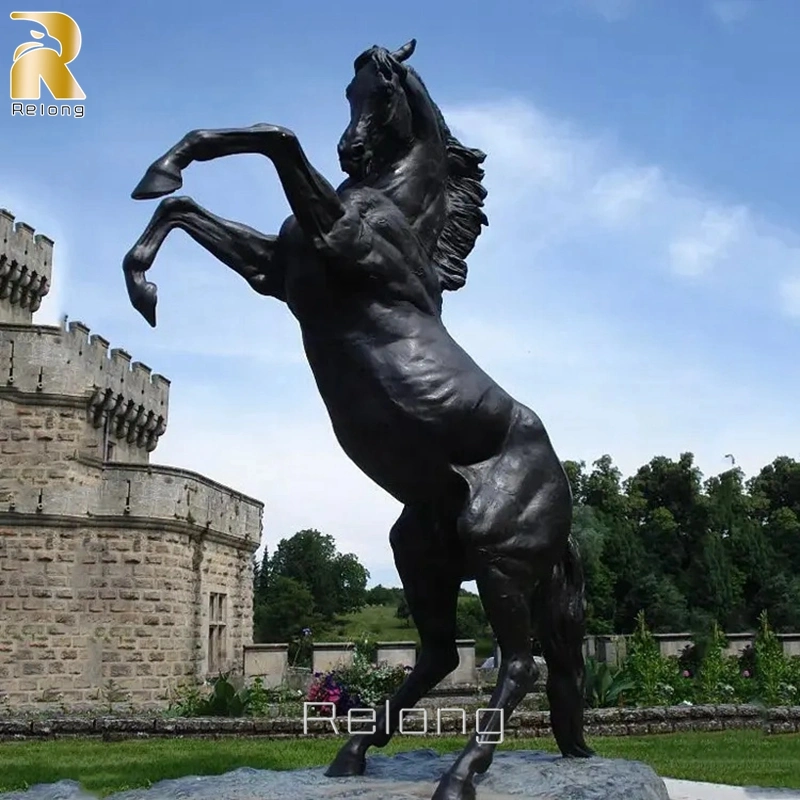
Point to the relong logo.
(34, 64)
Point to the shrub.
(656, 680)
(777, 676)
(605, 685)
(220, 698)
(719, 676)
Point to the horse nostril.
(354, 150)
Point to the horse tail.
(561, 606)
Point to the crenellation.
(139, 368)
(25, 269)
(80, 331)
(98, 349)
(70, 361)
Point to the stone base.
(407, 776)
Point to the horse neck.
(416, 182)
(416, 185)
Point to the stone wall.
(528, 725)
(85, 606)
(82, 605)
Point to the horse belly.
(399, 454)
(406, 428)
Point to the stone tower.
(112, 569)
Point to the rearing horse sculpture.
(363, 268)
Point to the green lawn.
(378, 621)
(381, 623)
(738, 757)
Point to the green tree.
(662, 602)
(590, 533)
(383, 595)
(403, 612)
(576, 472)
(670, 512)
(336, 582)
(261, 579)
(717, 587)
(287, 609)
(351, 583)
(471, 621)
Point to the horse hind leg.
(560, 605)
(431, 580)
(505, 592)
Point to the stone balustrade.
(270, 661)
(397, 654)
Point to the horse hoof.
(142, 293)
(451, 788)
(157, 181)
(346, 765)
(579, 751)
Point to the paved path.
(693, 790)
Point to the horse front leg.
(246, 251)
(313, 200)
(431, 581)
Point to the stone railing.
(523, 725)
(270, 662)
(611, 649)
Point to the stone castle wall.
(117, 577)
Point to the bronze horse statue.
(363, 269)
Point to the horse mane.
(465, 193)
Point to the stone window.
(217, 612)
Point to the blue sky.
(638, 286)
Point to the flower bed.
(360, 685)
(761, 675)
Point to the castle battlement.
(26, 268)
(124, 398)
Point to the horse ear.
(405, 52)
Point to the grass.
(737, 757)
(381, 623)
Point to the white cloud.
(790, 296)
(572, 186)
(620, 194)
(729, 12)
(708, 241)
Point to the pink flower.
(746, 673)
(687, 674)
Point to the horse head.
(381, 127)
